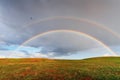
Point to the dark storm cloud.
(14, 14)
(59, 52)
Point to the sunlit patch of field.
(104, 68)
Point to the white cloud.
(37, 55)
(107, 54)
(18, 54)
(12, 54)
(2, 57)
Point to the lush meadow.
(106, 68)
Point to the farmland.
(102, 68)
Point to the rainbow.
(71, 31)
(75, 19)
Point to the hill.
(101, 68)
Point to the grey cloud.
(16, 13)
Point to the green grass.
(102, 68)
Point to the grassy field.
(104, 68)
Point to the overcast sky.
(20, 20)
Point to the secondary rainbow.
(75, 19)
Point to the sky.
(22, 20)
